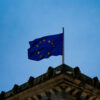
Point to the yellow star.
(53, 46)
(37, 45)
(39, 41)
(52, 43)
(38, 52)
(48, 53)
(49, 41)
(44, 40)
(41, 56)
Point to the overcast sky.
(22, 21)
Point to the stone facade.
(60, 83)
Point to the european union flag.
(45, 47)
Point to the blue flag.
(45, 47)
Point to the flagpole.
(63, 47)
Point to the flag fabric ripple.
(45, 47)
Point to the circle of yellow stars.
(44, 40)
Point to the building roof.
(51, 73)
